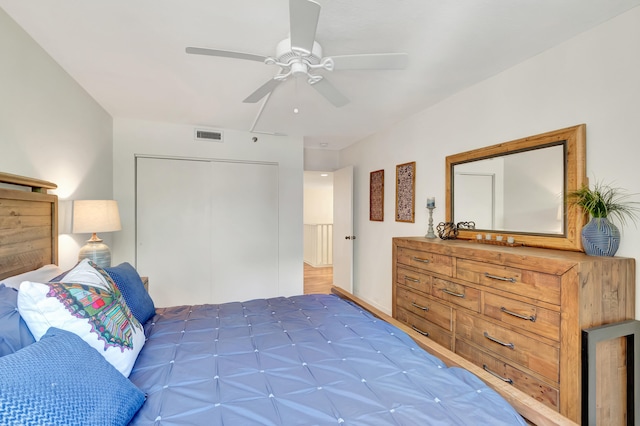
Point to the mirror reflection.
(520, 192)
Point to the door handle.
(350, 237)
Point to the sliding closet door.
(219, 222)
(173, 211)
(244, 230)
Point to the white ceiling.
(130, 55)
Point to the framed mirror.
(518, 189)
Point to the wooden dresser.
(518, 313)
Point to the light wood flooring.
(317, 280)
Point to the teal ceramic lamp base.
(96, 251)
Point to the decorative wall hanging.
(405, 192)
(376, 196)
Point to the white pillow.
(41, 275)
(90, 305)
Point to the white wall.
(318, 196)
(133, 137)
(321, 159)
(592, 79)
(50, 128)
(535, 209)
(318, 204)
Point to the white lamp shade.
(92, 216)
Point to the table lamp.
(93, 216)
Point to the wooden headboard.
(28, 224)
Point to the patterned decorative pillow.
(130, 284)
(85, 272)
(14, 333)
(90, 305)
(60, 380)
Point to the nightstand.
(145, 282)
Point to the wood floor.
(317, 280)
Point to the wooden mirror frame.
(575, 177)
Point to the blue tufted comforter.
(304, 360)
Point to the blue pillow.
(61, 380)
(14, 333)
(130, 285)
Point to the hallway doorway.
(318, 233)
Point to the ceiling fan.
(300, 55)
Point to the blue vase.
(600, 237)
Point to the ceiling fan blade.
(373, 61)
(224, 54)
(303, 22)
(332, 94)
(262, 91)
(264, 104)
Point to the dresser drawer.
(530, 385)
(424, 307)
(564, 291)
(426, 328)
(541, 321)
(414, 280)
(426, 261)
(530, 353)
(536, 285)
(461, 295)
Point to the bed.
(308, 359)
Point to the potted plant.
(600, 237)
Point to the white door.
(477, 200)
(172, 230)
(244, 237)
(343, 238)
(207, 231)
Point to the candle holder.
(430, 233)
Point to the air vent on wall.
(208, 135)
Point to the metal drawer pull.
(424, 333)
(495, 277)
(493, 373)
(424, 308)
(452, 293)
(531, 318)
(417, 259)
(493, 339)
(407, 278)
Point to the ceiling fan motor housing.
(299, 69)
(287, 55)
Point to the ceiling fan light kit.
(300, 55)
